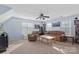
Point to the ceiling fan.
(42, 17)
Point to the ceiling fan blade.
(37, 17)
(46, 16)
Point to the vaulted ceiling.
(31, 11)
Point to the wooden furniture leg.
(50, 42)
(73, 40)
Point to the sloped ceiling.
(31, 11)
(4, 9)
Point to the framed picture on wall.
(56, 24)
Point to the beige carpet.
(26, 47)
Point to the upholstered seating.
(57, 34)
(32, 37)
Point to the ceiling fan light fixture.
(42, 17)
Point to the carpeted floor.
(26, 47)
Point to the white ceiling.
(31, 11)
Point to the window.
(48, 27)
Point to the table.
(48, 38)
(72, 37)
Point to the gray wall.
(13, 27)
(67, 24)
